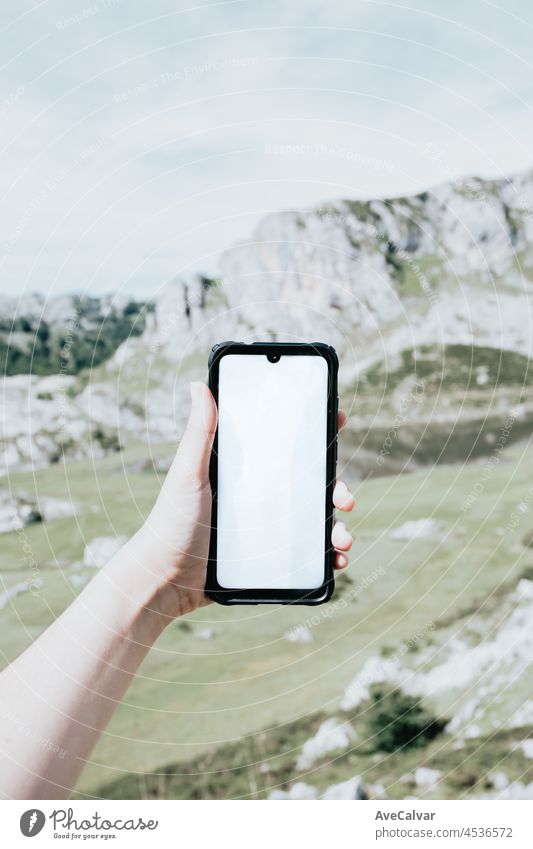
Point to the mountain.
(66, 334)
(428, 300)
(451, 265)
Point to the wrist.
(137, 591)
(156, 575)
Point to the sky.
(138, 140)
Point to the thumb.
(195, 447)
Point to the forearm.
(58, 696)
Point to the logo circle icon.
(32, 822)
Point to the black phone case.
(317, 595)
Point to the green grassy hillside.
(243, 688)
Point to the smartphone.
(272, 473)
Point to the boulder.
(299, 634)
(298, 791)
(332, 736)
(19, 588)
(417, 529)
(205, 634)
(20, 509)
(101, 549)
(351, 789)
(427, 778)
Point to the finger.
(341, 561)
(341, 539)
(343, 498)
(342, 418)
(197, 441)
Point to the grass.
(194, 698)
(266, 761)
(437, 404)
(450, 367)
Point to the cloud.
(139, 144)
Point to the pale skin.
(59, 695)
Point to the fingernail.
(346, 533)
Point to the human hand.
(86, 659)
(173, 544)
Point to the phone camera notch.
(273, 358)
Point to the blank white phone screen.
(272, 448)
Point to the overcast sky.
(138, 139)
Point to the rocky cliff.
(444, 276)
